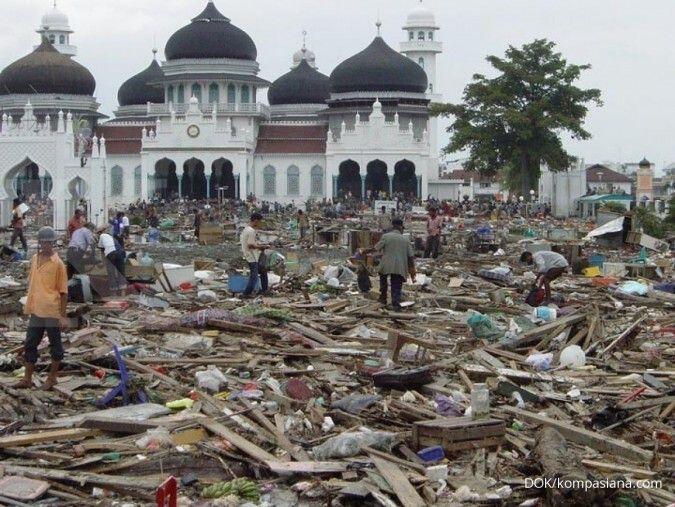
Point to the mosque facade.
(202, 123)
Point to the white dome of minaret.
(421, 17)
(304, 54)
(55, 26)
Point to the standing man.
(117, 226)
(198, 223)
(45, 307)
(252, 251)
(114, 259)
(17, 225)
(550, 267)
(434, 227)
(398, 261)
(303, 224)
(75, 222)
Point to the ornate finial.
(378, 24)
(304, 40)
(154, 53)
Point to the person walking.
(17, 223)
(434, 228)
(46, 308)
(252, 251)
(398, 261)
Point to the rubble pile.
(317, 395)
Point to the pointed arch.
(194, 179)
(405, 179)
(166, 181)
(222, 176)
(214, 93)
(116, 181)
(317, 181)
(349, 179)
(376, 177)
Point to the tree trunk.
(525, 176)
(557, 461)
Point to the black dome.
(378, 68)
(303, 85)
(45, 70)
(136, 90)
(210, 35)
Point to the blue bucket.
(596, 260)
(236, 284)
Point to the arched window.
(431, 88)
(138, 174)
(245, 94)
(52, 38)
(169, 94)
(421, 62)
(181, 94)
(293, 180)
(62, 39)
(411, 35)
(317, 180)
(269, 180)
(196, 91)
(116, 181)
(231, 94)
(214, 93)
(420, 35)
(431, 35)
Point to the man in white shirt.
(81, 242)
(252, 250)
(550, 266)
(114, 263)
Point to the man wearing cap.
(45, 307)
(398, 261)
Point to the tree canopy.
(512, 122)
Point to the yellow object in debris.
(591, 272)
(180, 404)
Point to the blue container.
(431, 454)
(596, 260)
(236, 284)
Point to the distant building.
(458, 185)
(645, 181)
(600, 179)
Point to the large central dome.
(378, 68)
(302, 85)
(210, 35)
(45, 70)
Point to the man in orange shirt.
(45, 307)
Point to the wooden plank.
(312, 334)
(306, 467)
(613, 467)
(530, 336)
(61, 435)
(238, 441)
(623, 336)
(582, 436)
(399, 483)
(646, 403)
(81, 478)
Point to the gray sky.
(629, 44)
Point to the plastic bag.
(573, 356)
(483, 327)
(540, 362)
(346, 445)
(212, 379)
(155, 438)
(355, 403)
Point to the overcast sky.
(629, 43)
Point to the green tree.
(513, 122)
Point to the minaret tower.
(422, 46)
(55, 27)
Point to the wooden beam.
(306, 467)
(238, 441)
(38, 437)
(582, 436)
(399, 483)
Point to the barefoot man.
(45, 307)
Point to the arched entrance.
(376, 179)
(222, 176)
(405, 180)
(194, 179)
(32, 185)
(78, 191)
(166, 181)
(349, 179)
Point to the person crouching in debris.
(252, 251)
(398, 260)
(550, 267)
(45, 307)
(114, 259)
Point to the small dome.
(422, 18)
(378, 68)
(210, 35)
(304, 54)
(55, 20)
(645, 163)
(45, 70)
(136, 90)
(302, 85)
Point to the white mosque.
(196, 125)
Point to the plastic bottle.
(480, 401)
